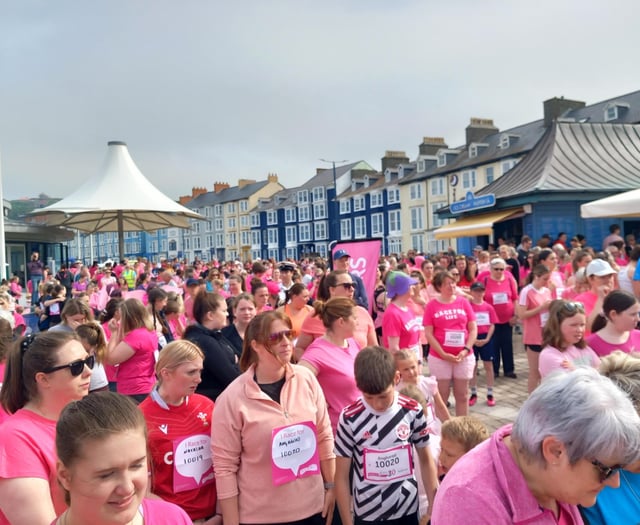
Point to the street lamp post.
(336, 229)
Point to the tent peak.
(116, 143)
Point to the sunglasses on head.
(604, 472)
(278, 337)
(76, 367)
(347, 286)
(573, 307)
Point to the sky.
(206, 91)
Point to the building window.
(393, 195)
(395, 245)
(255, 219)
(345, 229)
(473, 151)
(244, 205)
(219, 224)
(360, 227)
(345, 206)
(320, 230)
(304, 232)
(272, 217)
(244, 238)
(292, 253)
(421, 165)
(303, 197)
(320, 210)
(417, 242)
(255, 238)
(417, 222)
(217, 211)
(318, 194)
(231, 222)
(321, 248)
(377, 224)
(231, 207)
(437, 186)
(244, 221)
(273, 253)
(442, 159)
(358, 203)
(231, 239)
(376, 199)
(272, 235)
(219, 240)
(435, 218)
(610, 113)
(415, 191)
(289, 215)
(303, 213)
(507, 165)
(469, 179)
(394, 221)
(505, 142)
(290, 232)
(489, 173)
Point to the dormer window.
(476, 148)
(442, 159)
(505, 141)
(421, 165)
(615, 110)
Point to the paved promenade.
(508, 393)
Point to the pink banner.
(363, 262)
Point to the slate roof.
(231, 194)
(528, 136)
(576, 157)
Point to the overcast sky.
(206, 91)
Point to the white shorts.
(441, 369)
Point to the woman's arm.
(429, 474)
(328, 469)
(342, 489)
(442, 413)
(304, 340)
(118, 352)
(394, 344)
(26, 501)
(434, 344)
(308, 365)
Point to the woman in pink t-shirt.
(450, 327)
(533, 310)
(133, 347)
(615, 328)
(101, 442)
(401, 326)
(331, 356)
(563, 340)
(43, 374)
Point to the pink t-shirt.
(602, 348)
(335, 374)
(588, 300)
(110, 370)
(532, 326)
(449, 321)
(136, 375)
(3, 415)
(502, 296)
(313, 326)
(558, 282)
(28, 450)
(401, 323)
(485, 316)
(552, 359)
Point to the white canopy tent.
(625, 204)
(118, 198)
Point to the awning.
(476, 225)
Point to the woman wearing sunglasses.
(331, 356)
(556, 455)
(563, 344)
(43, 374)
(271, 435)
(336, 284)
(220, 360)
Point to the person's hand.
(513, 321)
(329, 505)
(603, 290)
(73, 324)
(567, 365)
(546, 305)
(113, 325)
(424, 520)
(480, 342)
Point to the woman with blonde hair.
(179, 423)
(254, 420)
(95, 343)
(44, 372)
(74, 313)
(133, 347)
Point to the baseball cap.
(478, 248)
(339, 254)
(477, 286)
(287, 267)
(599, 268)
(192, 282)
(398, 283)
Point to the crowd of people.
(263, 393)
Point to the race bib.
(500, 298)
(294, 453)
(54, 309)
(392, 464)
(544, 317)
(483, 319)
(454, 338)
(192, 463)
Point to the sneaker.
(473, 399)
(490, 401)
(511, 375)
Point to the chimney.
(556, 107)
(431, 145)
(320, 170)
(272, 177)
(245, 182)
(392, 158)
(219, 186)
(479, 129)
(195, 192)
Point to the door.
(16, 257)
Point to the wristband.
(328, 485)
(467, 349)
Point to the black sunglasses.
(347, 286)
(76, 367)
(278, 337)
(604, 472)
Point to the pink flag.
(363, 262)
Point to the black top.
(232, 335)
(220, 361)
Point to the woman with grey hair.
(568, 442)
(623, 504)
